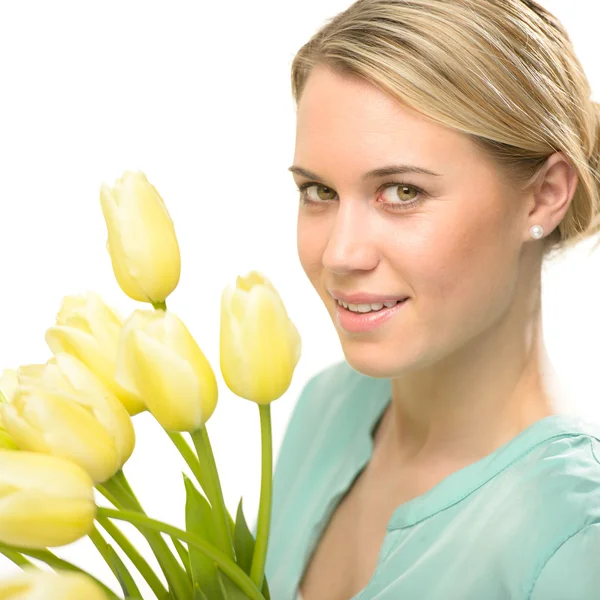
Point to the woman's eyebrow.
(381, 172)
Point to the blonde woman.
(444, 148)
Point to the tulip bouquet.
(66, 426)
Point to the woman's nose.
(351, 245)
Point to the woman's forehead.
(341, 114)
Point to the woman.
(444, 148)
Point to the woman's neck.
(469, 405)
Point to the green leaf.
(199, 520)
(243, 541)
(228, 589)
(199, 594)
(231, 524)
(130, 589)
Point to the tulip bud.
(260, 346)
(160, 360)
(142, 243)
(44, 500)
(62, 408)
(47, 585)
(89, 329)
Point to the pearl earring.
(536, 231)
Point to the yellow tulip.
(47, 585)
(89, 329)
(44, 500)
(260, 346)
(142, 243)
(160, 360)
(62, 408)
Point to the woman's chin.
(368, 361)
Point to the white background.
(196, 95)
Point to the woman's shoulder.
(569, 496)
(320, 397)
(334, 381)
(566, 470)
(551, 471)
(329, 404)
(571, 457)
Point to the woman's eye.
(401, 192)
(322, 192)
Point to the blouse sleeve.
(573, 571)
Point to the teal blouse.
(520, 523)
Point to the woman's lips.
(361, 322)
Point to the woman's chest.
(347, 552)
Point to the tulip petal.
(168, 384)
(125, 365)
(89, 329)
(93, 394)
(70, 307)
(52, 423)
(233, 310)
(133, 403)
(86, 348)
(178, 338)
(82, 345)
(35, 520)
(150, 244)
(35, 584)
(23, 434)
(104, 322)
(90, 314)
(56, 476)
(119, 260)
(266, 340)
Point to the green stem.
(214, 491)
(136, 559)
(17, 558)
(110, 497)
(57, 563)
(181, 551)
(194, 464)
(264, 511)
(228, 566)
(160, 305)
(190, 458)
(115, 563)
(120, 478)
(177, 578)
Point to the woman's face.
(454, 249)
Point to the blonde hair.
(504, 72)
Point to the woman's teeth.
(364, 308)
